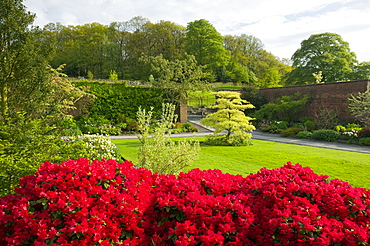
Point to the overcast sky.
(281, 25)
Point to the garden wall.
(322, 96)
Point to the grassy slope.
(347, 166)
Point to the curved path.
(258, 135)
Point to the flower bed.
(109, 203)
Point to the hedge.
(117, 99)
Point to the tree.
(325, 52)
(359, 106)
(260, 67)
(230, 118)
(178, 77)
(23, 60)
(206, 44)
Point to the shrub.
(365, 141)
(327, 135)
(304, 134)
(291, 131)
(309, 125)
(161, 154)
(93, 147)
(273, 126)
(285, 107)
(111, 203)
(365, 132)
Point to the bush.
(365, 132)
(273, 126)
(304, 134)
(291, 131)
(111, 203)
(327, 135)
(365, 141)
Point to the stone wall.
(323, 96)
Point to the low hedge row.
(109, 203)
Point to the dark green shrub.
(309, 125)
(365, 141)
(304, 134)
(273, 126)
(327, 135)
(291, 131)
(285, 107)
(365, 132)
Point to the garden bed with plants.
(349, 133)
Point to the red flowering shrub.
(111, 203)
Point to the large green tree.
(178, 77)
(23, 60)
(326, 52)
(249, 58)
(206, 44)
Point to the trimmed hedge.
(110, 203)
(113, 100)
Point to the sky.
(280, 25)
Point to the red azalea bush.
(111, 203)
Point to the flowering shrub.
(111, 203)
(93, 147)
(273, 126)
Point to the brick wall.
(330, 96)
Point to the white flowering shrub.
(92, 147)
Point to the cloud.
(281, 25)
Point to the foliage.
(93, 147)
(107, 202)
(97, 125)
(273, 126)
(289, 132)
(161, 154)
(178, 77)
(113, 100)
(24, 145)
(253, 65)
(326, 53)
(309, 125)
(23, 61)
(324, 134)
(206, 45)
(365, 141)
(230, 118)
(359, 106)
(304, 134)
(286, 108)
(113, 75)
(253, 95)
(365, 132)
(326, 118)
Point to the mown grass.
(351, 167)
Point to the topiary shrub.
(111, 203)
(289, 132)
(327, 135)
(365, 141)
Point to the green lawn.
(351, 167)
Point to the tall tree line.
(120, 46)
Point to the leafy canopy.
(325, 52)
(230, 118)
